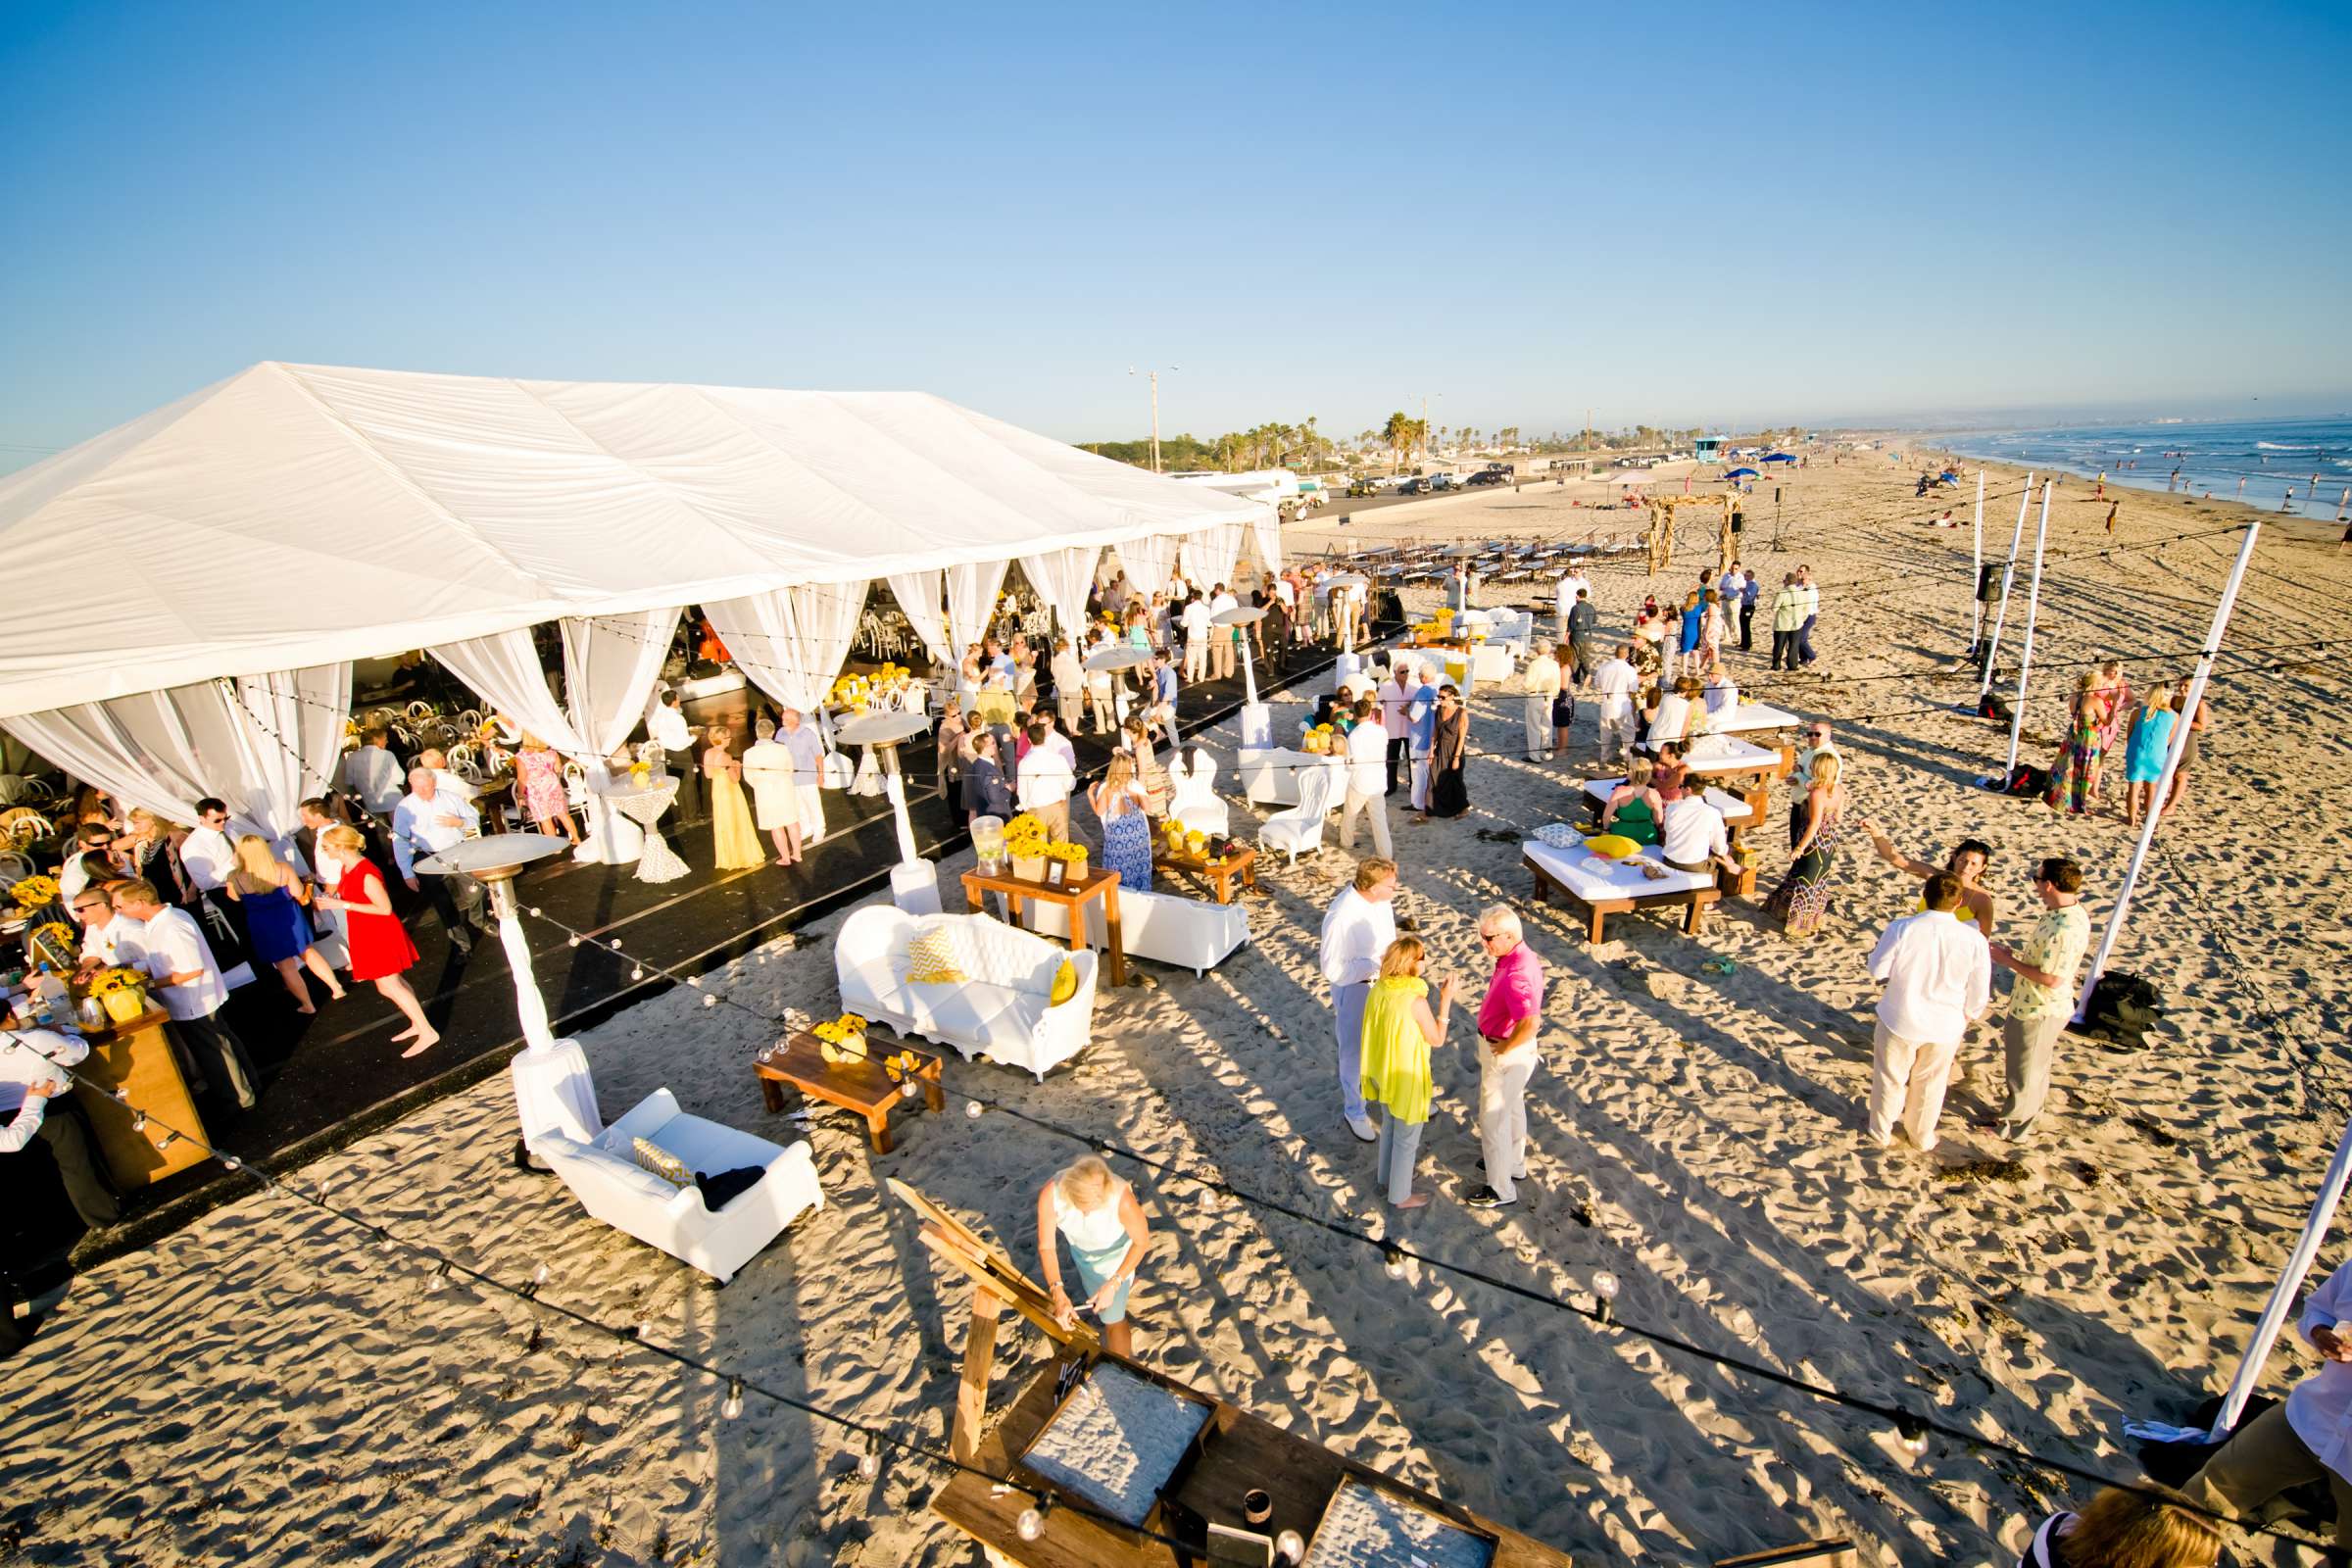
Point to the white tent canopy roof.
(298, 514)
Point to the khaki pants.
(1195, 660)
(1055, 817)
(1071, 703)
(1538, 726)
(2029, 1045)
(1375, 803)
(1502, 1114)
(1221, 652)
(2262, 1459)
(1907, 1082)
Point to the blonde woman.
(151, 853)
(2144, 1527)
(2144, 754)
(1097, 1215)
(1122, 805)
(273, 897)
(1816, 825)
(539, 785)
(1399, 1032)
(734, 837)
(380, 949)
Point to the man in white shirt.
(1564, 597)
(1196, 632)
(1069, 684)
(2307, 1439)
(1938, 977)
(1613, 686)
(1044, 780)
(187, 981)
(666, 724)
(427, 820)
(1542, 677)
(768, 771)
(1220, 642)
(1395, 703)
(1059, 742)
(1693, 837)
(1357, 929)
(108, 937)
(1368, 771)
(373, 775)
(33, 1090)
(808, 750)
(207, 855)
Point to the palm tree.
(1398, 434)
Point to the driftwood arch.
(1665, 514)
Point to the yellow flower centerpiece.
(31, 892)
(1025, 842)
(841, 1038)
(122, 991)
(1072, 858)
(54, 944)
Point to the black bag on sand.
(1993, 708)
(2124, 1008)
(2025, 781)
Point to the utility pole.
(1154, 376)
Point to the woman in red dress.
(380, 943)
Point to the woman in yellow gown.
(734, 834)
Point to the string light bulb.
(1032, 1522)
(138, 1121)
(732, 1407)
(440, 1279)
(710, 1001)
(1396, 1262)
(572, 941)
(971, 1109)
(637, 971)
(122, 1096)
(167, 1139)
(1605, 1293)
(1289, 1546)
(870, 1463)
(616, 944)
(534, 912)
(231, 1163)
(1912, 1433)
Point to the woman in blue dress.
(1122, 805)
(2143, 755)
(272, 898)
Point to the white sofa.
(1190, 933)
(1003, 1012)
(605, 1176)
(1270, 776)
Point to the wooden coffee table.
(1098, 883)
(1239, 865)
(859, 1086)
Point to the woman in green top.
(1398, 1030)
(1634, 808)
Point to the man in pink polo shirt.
(1508, 1022)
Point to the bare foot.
(1416, 1201)
(409, 1033)
(425, 1043)
(780, 861)
(305, 1012)
(337, 996)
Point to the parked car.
(1488, 477)
(1419, 487)
(1364, 487)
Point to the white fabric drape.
(610, 666)
(503, 670)
(1211, 553)
(1265, 534)
(790, 642)
(919, 597)
(262, 742)
(1148, 565)
(1061, 577)
(972, 600)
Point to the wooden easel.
(996, 1285)
(1662, 510)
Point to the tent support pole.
(2282, 1293)
(2016, 539)
(1976, 572)
(2025, 662)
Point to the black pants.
(1784, 647)
(219, 1054)
(1747, 629)
(1804, 641)
(68, 1135)
(1400, 755)
(460, 902)
(1580, 662)
(681, 766)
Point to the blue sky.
(1668, 215)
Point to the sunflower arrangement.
(841, 1038)
(31, 892)
(53, 943)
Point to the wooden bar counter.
(138, 1057)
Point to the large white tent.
(294, 515)
(292, 518)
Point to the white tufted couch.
(1001, 1011)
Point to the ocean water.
(2257, 461)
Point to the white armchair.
(1002, 1010)
(605, 1176)
(1299, 830)
(1271, 775)
(1193, 793)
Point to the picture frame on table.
(1056, 873)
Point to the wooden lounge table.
(1098, 883)
(136, 1058)
(859, 1086)
(1218, 876)
(1240, 1452)
(1603, 887)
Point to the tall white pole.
(1976, 573)
(2282, 1294)
(2017, 710)
(2172, 762)
(1154, 421)
(2016, 538)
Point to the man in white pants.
(1357, 929)
(1542, 677)
(1507, 1022)
(1196, 632)
(1938, 977)
(1613, 686)
(1368, 779)
(808, 773)
(1421, 717)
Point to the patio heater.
(1257, 719)
(913, 881)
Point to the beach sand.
(268, 1386)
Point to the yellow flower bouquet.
(31, 892)
(841, 1038)
(1071, 855)
(1025, 843)
(122, 991)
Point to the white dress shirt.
(174, 946)
(1196, 621)
(427, 827)
(1367, 758)
(374, 775)
(1693, 832)
(207, 858)
(120, 941)
(1808, 601)
(2320, 1409)
(1722, 695)
(1045, 778)
(668, 728)
(1613, 683)
(1542, 676)
(29, 1057)
(1222, 603)
(1673, 722)
(1356, 932)
(1570, 585)
(1937, 973)
(71, 878)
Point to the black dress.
(1449, 788)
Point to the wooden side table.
(1098, 883)
(136, 1058)
(863, 1087)
(1238, 866)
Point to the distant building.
(1709, 448)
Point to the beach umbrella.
(1741, 474)
(1119, 655)
(1779, 457)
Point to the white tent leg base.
(1258, 726)
(914, 887)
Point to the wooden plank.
(979, 1360)
(1036, 1307)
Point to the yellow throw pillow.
(661, 1162)
(1065, 984)
(1611, 846)
(931, 959)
